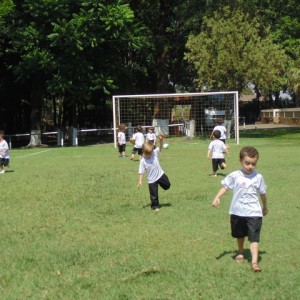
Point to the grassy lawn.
(73, 225)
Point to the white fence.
(71, 136)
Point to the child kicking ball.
(156, 176)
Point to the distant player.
(221, 128)
(4, 153)
(122, 140)
(151, 137)
(139, 140)
(216, 151)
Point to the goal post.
(178, 114)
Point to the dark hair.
(249, 151)
(139, 128)
(217, 134)
(219, 121)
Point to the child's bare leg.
(240, 253)
(240, 243)
(254, 253)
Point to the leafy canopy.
(232, 50)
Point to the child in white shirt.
(4, 153)
(216, 151)
(245, 210)
(139, 140)
(156, 176)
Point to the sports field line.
(36, 153)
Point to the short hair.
(122, 126)
(151, 128)
(2, 133)
(249, 151)
(217, 134)
(219, 121)
(147, 148)
(139, 128)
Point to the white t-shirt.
(121, 138)
(245, 202)
(223, 131)
(151, 136)
(4, 147)
(151, 166)
(139, 139)
(217, 148)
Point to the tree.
(69, 50)
(232, 50)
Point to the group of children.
(246, 211)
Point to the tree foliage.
(233, 49)
(75, 54)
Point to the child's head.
(219, 121)
(139, 128)
(147, 149)
(248, 158)
(151, 129)
(1, 134)
(217, 134)
(122, 127)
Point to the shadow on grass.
(247, 255)
(161, 205)
(219, 174)
(270, 133)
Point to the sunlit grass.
(73, 225)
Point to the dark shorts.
(246, 226)
(137, 150)
(122, 148)
(216, 162)
(4, 162)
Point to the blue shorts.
(246, 226)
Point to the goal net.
(186, 114)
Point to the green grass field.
(74, 225)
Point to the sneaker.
(132, 157)
(2, 171)
(156, 209)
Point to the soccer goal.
(180, 114)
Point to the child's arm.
(140, 181)
(218, 197)
(161, 140)
(263, 198)
(209, 154)
(227, 152)
(2, 153)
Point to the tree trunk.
(35, 114)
